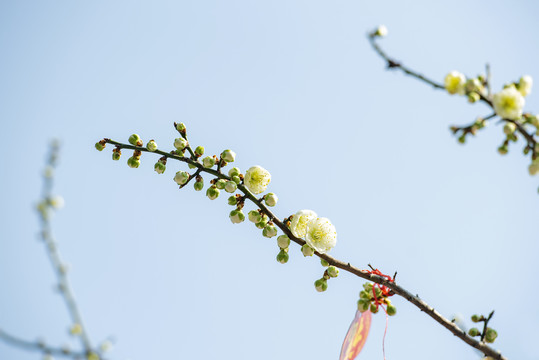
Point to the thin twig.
(39, 346)
(414, 299)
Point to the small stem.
(38, 346)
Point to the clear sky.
(294, 87)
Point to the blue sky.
(294, 87)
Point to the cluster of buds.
(488, 334)
(331, 271)
(372, 297)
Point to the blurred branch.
(45, 208)
(414, 299)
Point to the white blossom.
(508, 103)
(257, 179)
(321, 235)
(455, 82)
(299, 222)
(525, 85)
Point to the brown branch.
(414, 299)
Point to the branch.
(414, 299)
(39, 346)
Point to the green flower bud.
(333, 271)
(378, 292)
(151, 145)
(254, 216)
(92, 356)
(473, 332)
(199, 184)
(535, 121)
(180, 143)
(324, 263)
(270, 199)
(502, 150)
(269, 231)
(490, 335)
(282, 257)
(473, 97)
(133, 162)
(220, 184)
(462, 139)
(236, 179)
(233, 201)
(263, 222)
(234, 172)
(391, 310)
(509, 128)
(321, 285)
(236, 216)
(476, 318)
(116, 155)
(228, 156)
(212, 193)
(363, 305)
(99, 146)
(231, 187)
(181, 127)
(374, 309)
(381, 31)
(283, 242)
(367, 286)
(135, 140)
(75, 329)
(181, 177)
(365, 295)
(306, 250)
(159, 167)
(199, 151)
(208, 162)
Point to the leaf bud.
(282, 257)
(306, 250)
(228, 156)
(321, 285)
(283, 241)
(135, 140)
(270, 199)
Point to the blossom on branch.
(257, 179)
(455, 82)
(508, 103)
(299, 222)
(321, 235)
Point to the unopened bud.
(199, 184)
(282, 257)
(151, 145)
(473, 332)
(220, 184)
(254, 216)
(270, 199)
(363, 305)
(180, 143)
(231, 187)
(321, 285)
(208, 162)
(233, 201)
(212, 193)
(116, 153)
(476, 318)
(228, 156)
(490, 335)
(502, 150)
(181, 127)
(133, 162)
(269, 231)
(283, 241)
(181, 177)
(159, 167)
(236, 216)
(135, 140)
(236, 179)
(381, 31)
(391, 310)
(333, 271)
(199, 151)
(324, 263)
(76, 329)
(473, 97)
(99, 146)
(234, 172)
(509, 128)
(306, 250)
